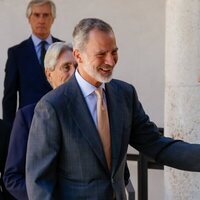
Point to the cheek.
(68, 75)
(64, 76)
(97, 62)
(50, 22)
(70, 72)
(56, 77)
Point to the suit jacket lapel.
(114, 104)
(81, 114)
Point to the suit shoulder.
(54, 95)
(26, 113)
(124, 89)
(57, 39)
(122, 85)
(19, 45)
(28, 108)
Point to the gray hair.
(53, 53)
(40, 3)
(83, 28)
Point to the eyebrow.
(67, 63)
(115, 49)
(39, 13)
(105, 51)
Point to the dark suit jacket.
(65, 158)
(5, 130)
(23, 75)
(14, 175)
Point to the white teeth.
(105, 69)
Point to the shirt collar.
(86, 87)
(36, 40)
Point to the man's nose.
(41, 18)
(110, 60)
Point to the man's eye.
(46, 15)
(100, 55)
(66, 68)
(114, 53)
(36, 15)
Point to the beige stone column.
(182, 90)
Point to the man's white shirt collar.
(36, 40)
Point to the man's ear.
(77, 56)
(52, 21)
(29, 19)
(48, 75)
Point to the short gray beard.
(96, 75)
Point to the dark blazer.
(14, 175)
(65, 158)
(5, 130)
(23, 75)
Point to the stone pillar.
(182, 92)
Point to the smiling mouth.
(106, 71)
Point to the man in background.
(25, 81)
(59, 67)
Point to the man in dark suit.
(66, 155)
(24, 72)
(59, 67)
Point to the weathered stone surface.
(182, 90)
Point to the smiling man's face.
(99, 57)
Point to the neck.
(42, 37)
(88, 78)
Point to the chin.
(104, 79)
